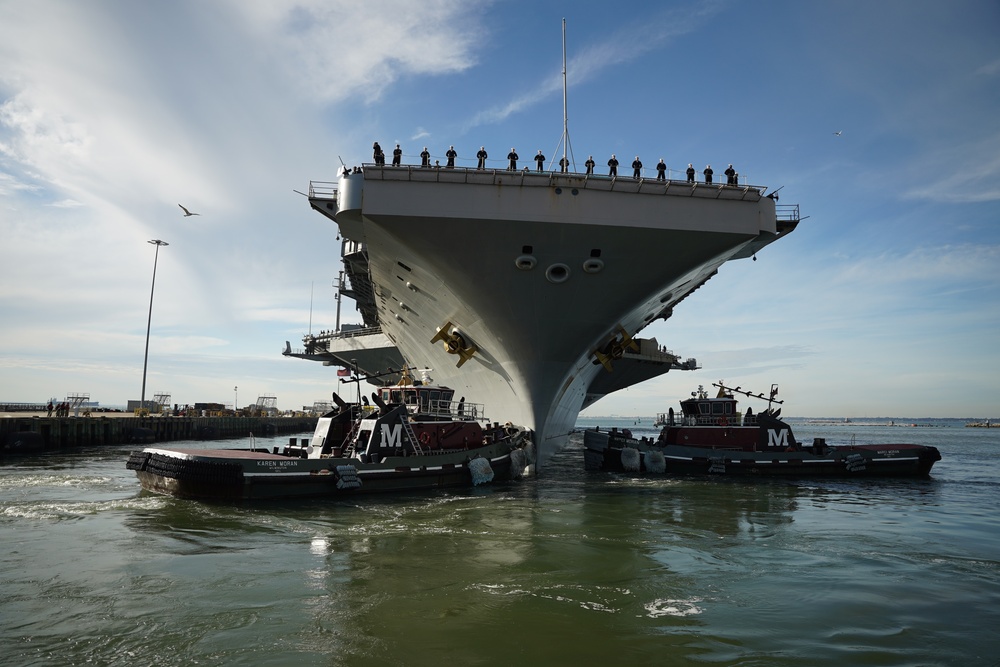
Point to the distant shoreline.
(44, 414)
(828, 421)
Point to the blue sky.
(885, 301)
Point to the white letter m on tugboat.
(774, 438)
(392, 435)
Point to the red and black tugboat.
(711, 437)
(414, 437)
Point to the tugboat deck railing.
(707, 420)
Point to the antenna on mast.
(340, 290)
(564, 140)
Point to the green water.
(569, 569)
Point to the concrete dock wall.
(62, 432)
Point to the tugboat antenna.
(736, 390)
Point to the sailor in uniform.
(730, 176)
(512, 156)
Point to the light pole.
(149, 321)
(236, 399)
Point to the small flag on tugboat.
(343, 372)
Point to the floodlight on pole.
(149, 320)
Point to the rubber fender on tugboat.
(480, 470)
(529, 452)
(631, 461)
(656, 463)
(347, 477)
(518, 462)
(137, 460)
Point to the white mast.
(564, 141)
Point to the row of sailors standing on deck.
(732, 178)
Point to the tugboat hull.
(711, 437)
(246, 475)
(615, 452)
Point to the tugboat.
(711, 437)
(414, 437)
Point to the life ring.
(424, 438)
(721, 421)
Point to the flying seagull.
(838, 133)
(187, 213)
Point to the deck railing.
(787, 212)
(555, 179)
(707, 420)
(322, 190)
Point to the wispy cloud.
(966, 173)
(989, 69)
(344, 49)
(626, 44)
(9, 185)
(66, 203)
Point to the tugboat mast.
(737, 390)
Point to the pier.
(27, 433)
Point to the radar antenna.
(739, 390)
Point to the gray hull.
(537, 273)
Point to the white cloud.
(10, 185)
(964, 173)
(66, 203)
(342, 49)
